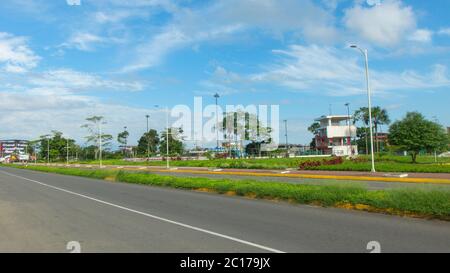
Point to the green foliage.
(95, 133)
(176, 147)
(55, 146)
(123, 137)
(384, 164)
(314, 127)
(415, 134)
(149, 141)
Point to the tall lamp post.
(100, 148)
(349, 130)
(67, 153)
(286, 135)
(148, 144)
(366, 58)
(217, 96)
(167, 139)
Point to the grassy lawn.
(428, 203)
(383, 164)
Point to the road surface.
(43, 212)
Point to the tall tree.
(176, 147)
(379, 117)
(415, 134)
(95, 133)
(122, 138)
(55, 146)
(240, 126)
(148, 141)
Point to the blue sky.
(60, 63)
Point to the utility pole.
(148, 140)
(167, 139)
(126, 141)
(349, 130)
(48, 151)
(217, 96)
(67, 154)
(286, 135)
(35, 153)
(100, 142)
(366, 58)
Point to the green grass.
(383, 164)
(430, 203)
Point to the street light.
(217, 96)
(167, 136)
(286, 135)
(349, 130)
(67, 153)
(126, 141)
(366, 58)
(148, 144)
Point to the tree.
(122, 138)
(314, 128)
(94, 128)
(240, 126)
(54, 146)
(148, 141)
(175, 145)
(379, 117)
(415, 134)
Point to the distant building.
(335, 134)
(9, 147)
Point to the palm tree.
(362, 114)
(380, 117)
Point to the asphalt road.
(42, 212)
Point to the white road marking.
(151, 216)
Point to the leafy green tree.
(149, 141)
(122, 137)
(176, 147)
(380, 117)
(415, 134)
(314, 128)
(95, 134)
(54, 146)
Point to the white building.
(335, 134)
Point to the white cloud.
(83, 41)
(15, 54)
(75, 80)
(29, 114)
(386, 24)
(222, 20)
(421, 35)
(444, 31)
(333, 72)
